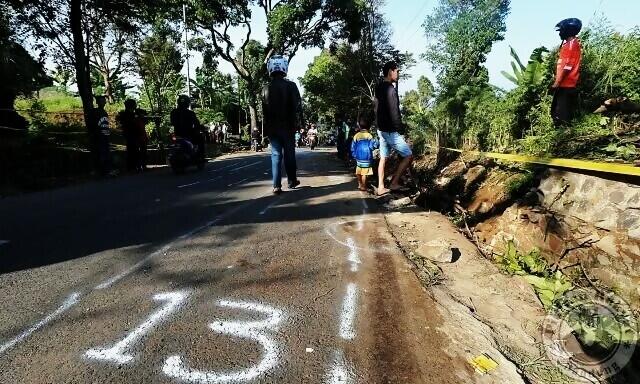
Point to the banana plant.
(533, 73)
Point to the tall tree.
(291, 25)
(460, 34)
(21, 74)
(159, 63)
(66, 26)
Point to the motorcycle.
(313, 141)
(256, 145)
(182, 153)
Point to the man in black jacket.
(186, 124)
(282, 108)
(390, 128)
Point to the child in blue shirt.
(362, 148)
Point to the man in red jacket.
(567, 72)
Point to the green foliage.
(21, 74)
(159, 64)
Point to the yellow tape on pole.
(622, 169)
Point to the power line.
(417, 14)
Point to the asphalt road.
(209, 278)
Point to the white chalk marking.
(268, 207)
(353, 257)
(109, 282)
(175, 367)
(68, 303)
(360, 224)
(348, 314)
(118, 353)
(341, 372)
(188, 185)
(309, 350)
(162, 251)
(331, 231)
(246, 166)
(238, 182)
(365, 205)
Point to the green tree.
(291, 25)
(65, 26)
(461, 34)
(159, 63)
(21, 74)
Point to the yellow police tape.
(622, 169)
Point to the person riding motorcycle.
(186, 125)
(312, 136)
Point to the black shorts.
(564, 105)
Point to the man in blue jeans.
(390, 128)
(282, 109)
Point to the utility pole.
(186, 46)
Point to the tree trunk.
(108, 89)
(81, 64)
(253, 112)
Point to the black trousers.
(564, 105)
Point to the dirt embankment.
(528, 239)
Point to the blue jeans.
(283, 143)
(393, 141)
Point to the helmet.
(569, 27)
(277, 63)
(184, 101)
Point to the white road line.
(245, 166)
(238, 182)
(162, 251)
(268, 207)
(353, 257)
(348, 314)
(118, 353)
(68, 303)
(341, 372)
(225, 167)
(188, 185)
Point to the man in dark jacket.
(185, 124)
(101, 133)
(282, 108)
(390, 128)
(132, 122)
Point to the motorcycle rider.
(312, 134)
(186, 125)
(564, 89)
(282, 108)
(255, 139)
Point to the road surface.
(209, 278)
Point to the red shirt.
(569, 60)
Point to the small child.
(362, 148)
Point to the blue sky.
(530, 24)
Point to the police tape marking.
(118, 353)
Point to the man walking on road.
(282, 108)
(390, 128)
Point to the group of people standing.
(217, 133)
(132, 122)
(283, 120)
